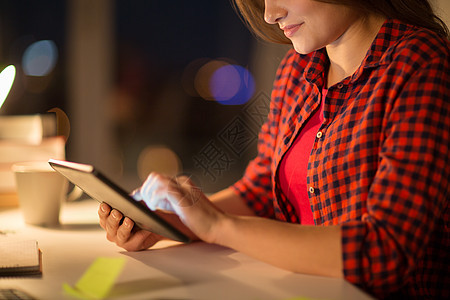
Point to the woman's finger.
(124, 231)
(103, 213)
(112, 224)
(154, 192)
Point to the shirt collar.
(317, 67)
(379, 53)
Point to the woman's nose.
(273, 13)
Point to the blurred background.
(146, 85)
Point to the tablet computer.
(99, 187)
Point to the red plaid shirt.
(381, 166)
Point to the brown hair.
(414, 12)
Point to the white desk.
(167, 271)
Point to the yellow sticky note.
(98, 280)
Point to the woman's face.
(310, 25)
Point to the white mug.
(41, 191)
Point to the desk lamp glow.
(6, 80)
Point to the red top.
(294, 166)
(381, 169)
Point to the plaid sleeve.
(411, 189)
(256, 184)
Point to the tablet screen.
(97, 186)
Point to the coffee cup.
(41, 191)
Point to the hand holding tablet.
(99, 187)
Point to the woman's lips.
(290, 30)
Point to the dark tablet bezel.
(98, 186)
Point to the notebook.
(19, 257)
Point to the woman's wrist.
(223, 228)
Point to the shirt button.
(311, 190)
(340, 85)
(319, 134)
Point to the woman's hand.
(173, 199)
(181, 196)
(123, 232)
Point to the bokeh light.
(232, 85)
(203, 77)
(189, 75)
(219, 80)
(160, 159)
(40, 58)
(225, 83)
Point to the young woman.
(352, 173)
